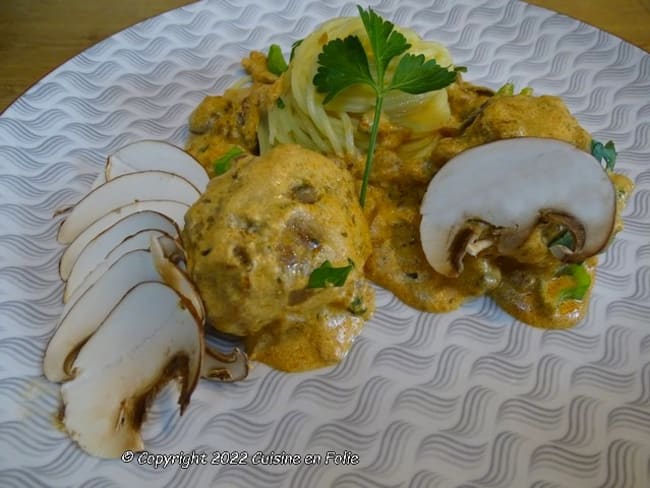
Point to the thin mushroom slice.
(83, 315)
(222, 367)
(164, 251)
(139, 240)
(156, 155)
(124, 364)
(97, 250)
(512, 185)
(123, 190)
(217, 366)
(170, 208)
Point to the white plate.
(471, 397)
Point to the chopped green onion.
(275, 60)
(222, 164)
(507, 89)
(582, 282)
(326, 275)
(528, 91)
(280, 103)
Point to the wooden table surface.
(36, 36)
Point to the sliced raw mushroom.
(219, 366)
(156, 155)
(124, 364)
(123, 190)
(510, 186)
(84, 313)
(170, 208)
(165, 252)
(139, 240)
(97, 249)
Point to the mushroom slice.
(83, 314)
(97, 249)
(139, 240)
(218, 366)
(164, 250)
(170, 208)
(122, 190)
(156, 155)
(125, 363)
(512, 185)
(224, 367)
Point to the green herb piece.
(413, 75)
(507, 89)
(605, 152)
(528, 91)
(327, 275)
(222, 164)
(293, 48)
(280, 103)
(582, 282)
(275, 60)
(460, 69)
(564, 239)
(344, 62)
(357, 307)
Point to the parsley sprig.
(344, 62)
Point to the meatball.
(254, 238)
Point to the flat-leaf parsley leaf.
(327, 275)
(344, 62)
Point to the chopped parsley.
(605, 152)
(327, 275)
(357, 307)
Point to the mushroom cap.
(87, 309)
(125, 363)
(170, 208)
(511, 184)
(97, 250)
(123, 190)
(156, 155)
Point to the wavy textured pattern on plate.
(471, 398)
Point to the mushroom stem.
(577, 231)
(224, 367)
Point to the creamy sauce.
(288, 336)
